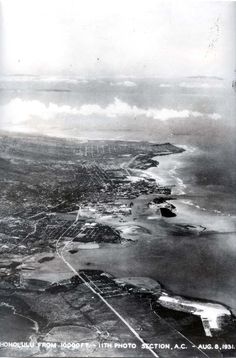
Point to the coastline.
(163, 251)
(168, 229)
(166, 173)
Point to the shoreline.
(164, 254)
(166, 173)
(186, 215)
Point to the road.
(91, 286)
(60, 255)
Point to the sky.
(117, 38)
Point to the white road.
(60, 250)
(61, 256)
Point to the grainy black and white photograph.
(117, 178)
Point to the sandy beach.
(172, 254)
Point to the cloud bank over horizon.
(35, 116)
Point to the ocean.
(196, 113)
(15, 327)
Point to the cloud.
(124, 83)
(165, 85)
(200, 85)
(214, 116)
(35, 114)
(20, 111)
